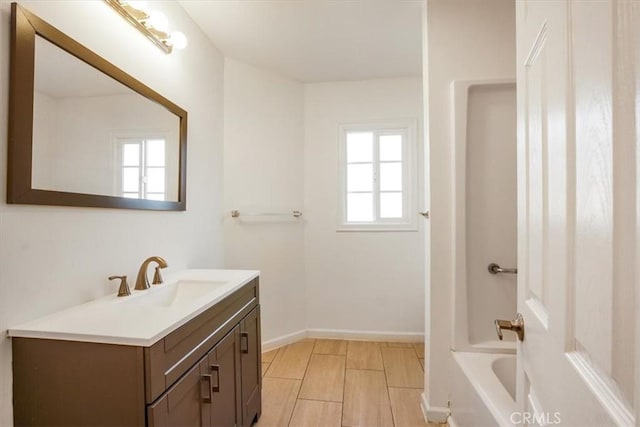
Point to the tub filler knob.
(496, 269)
(516, 326)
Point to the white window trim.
(410, 184)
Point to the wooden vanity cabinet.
(251, 367)
(207, 395)
(205, 373)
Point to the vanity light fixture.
(153, 25)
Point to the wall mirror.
(82, 132)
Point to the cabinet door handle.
(208, 396)
(244, 342)
(216, 369)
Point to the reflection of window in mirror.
(141, 167)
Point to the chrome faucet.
(516, 326)
(142, 281)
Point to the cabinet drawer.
(168, 359)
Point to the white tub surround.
(144, 317)
(484, 154)
(483, 389)
(483, 132)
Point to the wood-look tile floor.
(335, 383)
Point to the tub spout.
(516, 326)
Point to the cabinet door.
(187, 403)
(224, 366)
(251, 364)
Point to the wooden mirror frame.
(25, 26)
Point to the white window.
(141, 168)
(377, 177)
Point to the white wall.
(367, 282)
(263, 152)
(55, 257)
(281, 147)
(465, 41)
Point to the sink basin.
(145, 316)
(181, 293)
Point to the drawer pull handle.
(208, 397)
(216, 369)
(244, 342)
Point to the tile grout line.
(415, 349)
(386, 384)
(362, 369)
(271, 363)
(344, 385)
(344, 380)
(306, 368)
(319, 400)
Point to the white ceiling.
(317, 40)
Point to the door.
(224, 366)
(250, 358)
(186, 403)
(577, 212)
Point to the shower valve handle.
(495, 269)
(516, 326)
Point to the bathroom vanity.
(182, 353)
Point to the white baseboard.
(366, 335)
(341, 334)
(452, 422)
(283, 340)
(434, 414)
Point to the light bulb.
(158, 20)
(178, 40)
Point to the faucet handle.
(124, 290)
(157, 277)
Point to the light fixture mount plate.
(138, 19)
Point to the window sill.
(376, 227)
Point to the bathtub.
(483, 392)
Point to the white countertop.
(144, 317)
